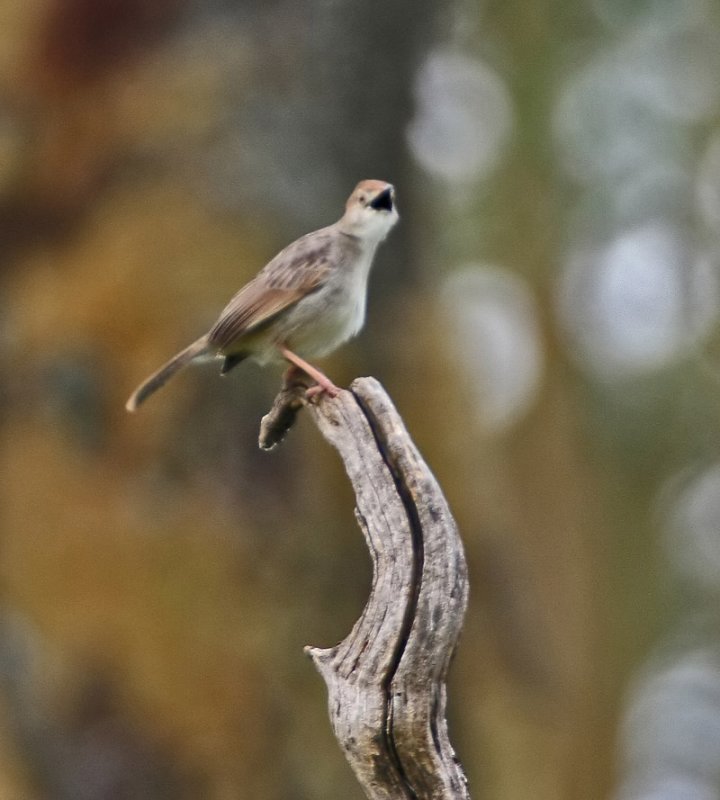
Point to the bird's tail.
(162, 376)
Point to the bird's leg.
(324, 384)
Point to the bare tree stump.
(386, 680)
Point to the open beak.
(384, 201)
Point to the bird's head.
(370, 211)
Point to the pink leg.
(324, 384)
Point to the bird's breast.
(323, 320)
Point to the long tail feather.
(162, 376)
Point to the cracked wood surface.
(386, 679)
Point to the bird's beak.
(384, 201)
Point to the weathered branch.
(386, 680)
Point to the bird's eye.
(362, 198)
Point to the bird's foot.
(319, 389)
(299, 365)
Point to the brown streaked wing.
(299, 269)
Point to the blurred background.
(546, 318)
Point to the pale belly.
(318, 324)
(321, 323)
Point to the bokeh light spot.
(639, 303)
(463, 117)
(671, 730)
(692, 535)
(495, 338)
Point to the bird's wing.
(298, 270)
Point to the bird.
(304, 303)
